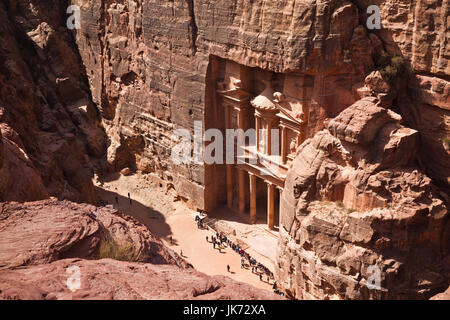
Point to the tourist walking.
(228, 268)
(207, 239)
(260, 277)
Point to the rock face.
(138, 70)
(40, 240)
(44, 231)
(149, 65)
(143, 68)
(109, 279)
(50, 126)
(442, 296)
(355, 202)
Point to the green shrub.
(110, 248)
(392, 67)
(446, 142)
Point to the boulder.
(44, 231)
(355, 206)
(109, 279)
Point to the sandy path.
(203, 257)
(165, 218)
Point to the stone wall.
(147, 64)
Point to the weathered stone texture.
(44, 231)
(50, 126)
(147, 63)
(349, 205)
(108, 279)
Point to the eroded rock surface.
(116, 280)
(354, 199)
(146, 63)
(50, 126)
(40, 240)
(44, 231)
(148, 68)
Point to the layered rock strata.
(359, 220)
(43, 242)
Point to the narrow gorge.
(90, 118)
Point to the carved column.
(229, 185)
(242, 190)
(229, 167)
(283, 145)
(280, 193)
(257, 128)
(271, 206)
(241, 116)
(252, 197)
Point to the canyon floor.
(166, 216)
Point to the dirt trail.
(165, 217)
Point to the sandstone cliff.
(148, 64)
(50, 126)
(354, 200)
(138, 69)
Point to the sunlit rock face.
(52, 238)
(147, 64)
(355, 200)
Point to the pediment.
(290, 107)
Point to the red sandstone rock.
(353, 199)
(45, 231)
(117, 280)
(34, 235)
(442, 296)
(46, 114)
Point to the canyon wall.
(49, 126)
(110, 94)
(359, 220)
(147, 64)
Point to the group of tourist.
(220, 241)
(246, 259)
(199, 222)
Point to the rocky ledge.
(40, 241)
(356, 201)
